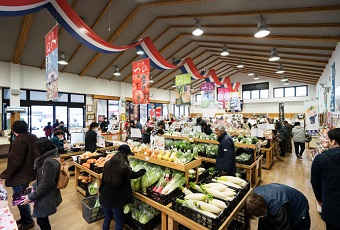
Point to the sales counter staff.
(91, 138)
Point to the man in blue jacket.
(279, 207)
(325, 179)
(226, 160)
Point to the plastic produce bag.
(93, 188)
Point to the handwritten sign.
(135, 132)
(183, 79)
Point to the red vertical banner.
(141, 81)
(223, 97)
(51, 55)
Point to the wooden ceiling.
(305, 34)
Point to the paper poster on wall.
(312, 119)
(207, 95)
(141, 81)
(51, 55)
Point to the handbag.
(308, 137)
(64, 175)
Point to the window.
(37, 96)
(264, 93)
(198, 97)
(78, 98)
(7, 94)
(278, 92)
(291, 91)
(63, 97)
(255, 91)
(246, 95)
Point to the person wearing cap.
(115, 188)
(226, 159)
(91, 138)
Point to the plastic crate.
(135, 225)
(97, 169)
(91, 214)
(160, 198)
(201, 177)
(247, 162)
(200, 218)
(239, 223)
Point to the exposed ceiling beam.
(167, 3)
(268, 51)
(116, 33)
(295, 25)
(161, 50)
(258, 12)
(267, 45)
(276, 37)
(25, 29)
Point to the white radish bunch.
(227, 183)
(208, 207)
(234, 180)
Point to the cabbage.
(150, 177)
(135, 184)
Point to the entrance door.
(76, 117)
(39, 118)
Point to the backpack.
(64, 175)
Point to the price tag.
(147, 158)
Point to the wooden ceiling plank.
(259, 12)
(268, 45)
(294, 25)
(230, 49)
(117, 32)
(277, 37)
(25, 29)
(167, 3)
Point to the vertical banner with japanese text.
(223, 97)
(141, 81)
(207, 95)
(312, 119)
(51, 55)
(332, 103)
(281, 111)
(183, 86)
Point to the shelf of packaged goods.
(269, 156)
(79, 168)
(171, 218)
(253, 171)
(184, 168)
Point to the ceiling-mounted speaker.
(15, 92)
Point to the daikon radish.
(208, 207)
(196, 187)
(218, 203)
(207, 213)
(195, 196)
(234, 180)
(227, 183)
(186, 191)
(201, 170)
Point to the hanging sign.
(183, 95)
(281, 111)
(207, 95)
(223, 96)
(312, 119)
(332, 104)
(51, 55)
(183, 79)
(141, 81)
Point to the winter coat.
(226, 159)
(325, 177)
(112, 196)
(298, 134)
(20, 162)
(46, 194)
(146, 138)
(58, 144)
(48, 130)
(283, 201)
(91, 141)
(283, 132)
(207, 130)
(104, 126)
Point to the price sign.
(135, 132)
(183, 79)
(158, 142)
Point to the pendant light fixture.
(284, 78)
(286, 82)
(197, 29)
(256, 77)
(240, 64)
(116, 71)
(62, 60)
(140, 52)
(280, 69)
(224, 51)
(151, 80)
(251, 73)
(262, 29)
(274, 56)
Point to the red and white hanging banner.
(51, 55)
(141, 81)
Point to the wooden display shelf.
(184, 168)
(206, 141)
(77, 169)
(269, 156)
(242, 145)
(176, 137)
(67, 155)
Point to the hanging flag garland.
(70, 20)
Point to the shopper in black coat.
(226, 159)
(205, 127)
(283, 134)
(91, 138)
(278, 206)
(146, 136)
(325, 178)
(115, 188)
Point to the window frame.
(295, 90)
(251, 88)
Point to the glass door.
(61, 114)
(39, 118)
(76, 121)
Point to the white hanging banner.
(312, 117)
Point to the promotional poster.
(141, 81)
(312, 118)
(207, 95)
(51, 55)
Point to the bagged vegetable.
(93, 188)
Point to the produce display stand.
(78, 168)
(68, 155)
(269, 155)
(253, 171)
(184, 168)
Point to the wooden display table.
(253, 171)
(269, 155)
(71, 154)
(78, 168)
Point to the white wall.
(270, 105)
(324, 103)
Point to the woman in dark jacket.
(46, 194)
(57, 138)
(146, 136)
(115, 188)
(91, 138)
